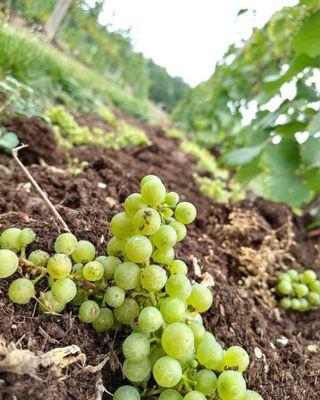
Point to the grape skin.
(178, 286)
(133, 204)
(180, 229)
(210, 354)
(138, 249)
(172, 199)
(137, 371)
(109, 264)
(178, 267)
(93, 271)
(121, 226)
(39, 258)
(64, 290)
(114, 296)
(153, 192)
(194, 395)
(127, 276)
(174, 334)
(136, 347)
(84, 252)
(127, 311)
(146, 221)
(59, 266)
(185, 213)
(236, 358)
(21, 291)
(26, 237)
(251, 395)
(126, 393)
(231, 385)
(115, 247)
(10, 239)
(173, 310)
(167, 372)
(89, 311)
(153, 278)
(170, 394)
(200, 298)
(163, 256)
(9, 263)
(66, 243)
(205, 382)
(150, 319)
(165, 237)
(105, 320)
(48, 304)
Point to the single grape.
(127, 275)
(210, 354)
(84, 252)
(294, 275)
(301, 290)
(251, 395)
(308, 276)
(285, 302)
(150, 319)
(10, 239)
(64, 290)
(153, 278)
(194, 395)
(284, 276)
(126, 393)
(170, 394)
(194, 316)
(39, 258)
(180, 229)
(178, 267)
(314, 299)
(136, 347)
(21, 291)
(205, 382)
(315, 286)
(295, 304)
(59, 266)
(236, 358)
(77, 270)
(109, 264)
(165, 237)
(49, 305)
(114, 296)
(167, 372)
(66, 243)
(93, 271)
(173, 310)
(231, 385)
(284, 287)
(133, 204)
(105, 320)
(128, 310)
(146, 221)
(149, 178)
(185, 213)
(89, 311)
(121, 226)
(172, 199)
(138, 249)
(200, 298)
(26, 237)
(137, 371)
(163, 256)
(156, 353)
(198, 331)
(9, 263)
(304, 305)
(178, 341)
(153, 192)
(178, 286)
(115, 247)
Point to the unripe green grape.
(210, 354)
(284, 276)
(178, 267)
(39, 258)
(84, 252)
(146, 221)
(173, 310)
(166, 213)
(180, 229)
(149, 178)
(194, 316)
(285, 302)
(128, 310)
(284, 287)
(64, 290)
(178, 341)
(51, 281)
(26, 237)
(165, 237)
(150, 319)
(167, 372)
(315, 286)
(9, 263)
(200, 298)
(115, 247)
(251, 395)
(138, 249)
(21, 291)
(194, 395)
(114, 296)
(163, 256)
(308, 276)
(109, 264)
(294, 275)
(153, 192)
(10, 239)
(304, 305)
(153, 278)
(133, 204)
(136, 371)
(127, 275)
(205, 382)
(66, 243)
(49, 305)
(301, 290)
(105, 320)
(156, 353)
(172, 199)
(93, 271)
(89, 311)
(295, 304)
(59, 266)
(126, 393)
(121, 226)
(178, 286)
(136, 347)
(185, 213)
(231, 385)
(198, 331)
(236, 358)
(77, 270)
(170, 394)
(314, 299)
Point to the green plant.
(8, 140)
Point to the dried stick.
(37, 187)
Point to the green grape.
(127, 275)
(26, 237)
(200, 298)
(126, 393)
(59, 266)
(49, 305)
(284, 287)
(308, 276)
(21, 291)
(156, 353)
(172, 199)
(146, 221)
(50, 281)
(205, 382)
(136, 347)
(194, 316)
(167, 372)
(115, 247)
(251, 395)
(178, 267)
(93, 271)
(314, 299)
(163, 256)
(66, 243)
(133, 204)
(138, 249)
(109, 264)
(165, 237)
(301, 290)
(178, 341)
(166, 213)
(150, 319)
(153, 192)
(294, 275)
(198, 331)
(128, 310)
(173, 310)
(180, 229)
(284, 276)
(10, 239)
(149, 178)
(194, 395)
(153, 278)
(315, 287)
(105, 320)
(231, 385)
(137, 371)
(114, 296)
(210, 354)
(39, 258)
(77, 270)
(64, 290)
(285, 302)
(9, 263)
(185, 213)
(178, 286)
(295, 304)
(236, 358)
(170, 394)
(89, 311)
(84, 252)
(304, 305)
(121, 226)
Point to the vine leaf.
(307, 40)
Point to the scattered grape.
(200, 298)
(194, 395)
(121, 226)
(64, 290)
(153, 192)
(178, 267)
(59, 266)
(8, 263)
(210, 354)
(21, 291)
(115, 247)
(236, 358)
(172, 199)
(173, 310)
(133, 204)
(10, 239)
(26, 237)
(165, 237)
(89, 311)
(39, 258)
(206, 382)
(185, 213)
(66, 243)
(49, 305)
(163, 256)
(251, 395)
(84, 252)
(180, 229)
(178, 286)
(178, 341)
(170, 394)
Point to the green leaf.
(249, 171)
(289, 129)
(242, 156)
(8, 141)
(314, 125)
(311, 179)
(306, 92)
(242, 11)
(283, 157)
(307, 39)
(310, 152)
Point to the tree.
(56, 18)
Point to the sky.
(188, 37)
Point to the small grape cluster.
(299, 291)
(138, 285)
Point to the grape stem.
(42, 275)
(37, 187)
(30, 264)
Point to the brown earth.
(241, 246)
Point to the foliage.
(272, 78)
(8, 140)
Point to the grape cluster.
(299, 291)
(141, 287)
